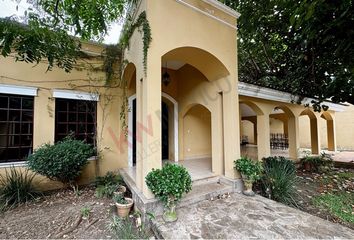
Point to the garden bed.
(58, 213)
(328, 195)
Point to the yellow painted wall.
(111, 146)
(197, 133)
(344, 122)
(247, 130)
(276, 126)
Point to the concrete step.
(205, 191)
(211, 179)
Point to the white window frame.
(75, 95)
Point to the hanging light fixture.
(166, 77)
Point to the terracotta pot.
(120, 190)
(308, 167)
(124, 209)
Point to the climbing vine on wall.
(115, 53)
(114, 58)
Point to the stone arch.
(290, 130)
(331, 132)
(197, 133)
(314, 132)
(209, 65)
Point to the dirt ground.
(311, 185)
(53, 216)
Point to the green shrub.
(249, 168)
(109, 179)
(62, 161)
(321, 163)
(279, 179)
(16, 187)
(105, 191)
(107, 185)
(169, 183)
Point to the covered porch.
(272, 123)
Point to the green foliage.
(321, 163)
(16, 187)
(119, 198)
(169, 183)
(107, 185)
(249, 168)
(32, 43)
(304, 48)
(62, 161)
(110, 178)
(124, 229)
(279, 179)
(86, 18)
(128, 31)
(338, 204)
(85, 212)
(45, 33)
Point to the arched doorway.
(283, 142)
(197, 139)
(169, 129)
(331, 134)
(308, 118)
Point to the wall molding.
(18, 90)
(75, 95)
(250, 90)
(206, 13)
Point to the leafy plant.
(110, 178)
(119, 198)
(279, 179)
(320, 163)
(304, 48)
(62, 161)
(169, 183)
(107, 185)
(249, 168)
(16, 187)
(85, 212)
(124, 228)
(339, 204)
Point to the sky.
(8, 8)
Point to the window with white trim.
(16, 127)
(77, 118)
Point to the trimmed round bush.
(62, 161)
(169, 183)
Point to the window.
(16, 127)
(77, 117)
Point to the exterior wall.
(110, 142)
(197, 133)
(247, 130)
(344, 129)
(276, 125)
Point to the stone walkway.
(247, 217)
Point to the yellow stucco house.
(187, 107)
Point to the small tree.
(62, 161)
(168, 185)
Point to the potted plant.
(123, 204)
(120, 190)
(310, 163)
(251, 171)
(168, 185)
